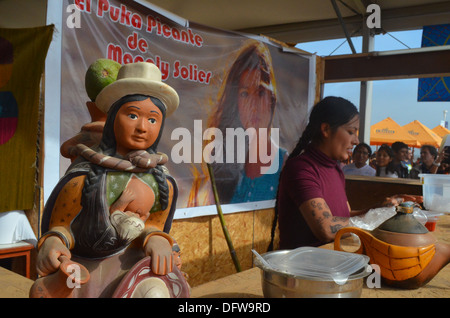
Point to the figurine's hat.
(138, 78)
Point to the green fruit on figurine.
(100, 74)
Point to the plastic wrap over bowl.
(309, 272)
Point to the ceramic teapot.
(408, 255)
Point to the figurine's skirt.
(106, 273)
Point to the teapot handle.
(358, 232)
(84, 275)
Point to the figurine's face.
(254, 100)
(137, 126)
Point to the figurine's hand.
(160, 251)
(51, 250)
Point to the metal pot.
(281, 284)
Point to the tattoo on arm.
(319, 206)
(339, 219)
(335, 228)
(324, 218)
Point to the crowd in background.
(395, 161)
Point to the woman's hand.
(160, 251)
(48, 256)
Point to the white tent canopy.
(291, 21)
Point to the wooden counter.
(363, 191)
(13, 285)
(248, 283)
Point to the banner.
(214, 72)
(435, 89)
(22, 57)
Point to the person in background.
(444, 168)
(430, 161)
(443, 158)
(373, 160)
(409, 161)
(384, 162)
(400, 155)
(359, 166)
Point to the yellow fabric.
(388, 131)
(423, 134)
(22, 80)
(441, 131)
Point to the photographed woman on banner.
(246, 101)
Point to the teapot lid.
(404, 221)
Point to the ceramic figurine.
(111, 213)
(408, 255)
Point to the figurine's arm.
(122, 202)
(59, 240)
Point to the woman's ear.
(325, 130)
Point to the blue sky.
(391, 98)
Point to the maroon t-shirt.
(307, 176)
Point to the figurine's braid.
(92, 178)
(161, 179)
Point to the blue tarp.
(435, 89)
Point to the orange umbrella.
(388, 131)
(441, 131)
(423, 134)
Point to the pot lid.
(404, 221)
(318, 263)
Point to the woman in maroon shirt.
(311, 202)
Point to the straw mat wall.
(204, 250)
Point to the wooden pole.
(222, 220)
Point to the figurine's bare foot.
(122, 202)
(139, 214)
